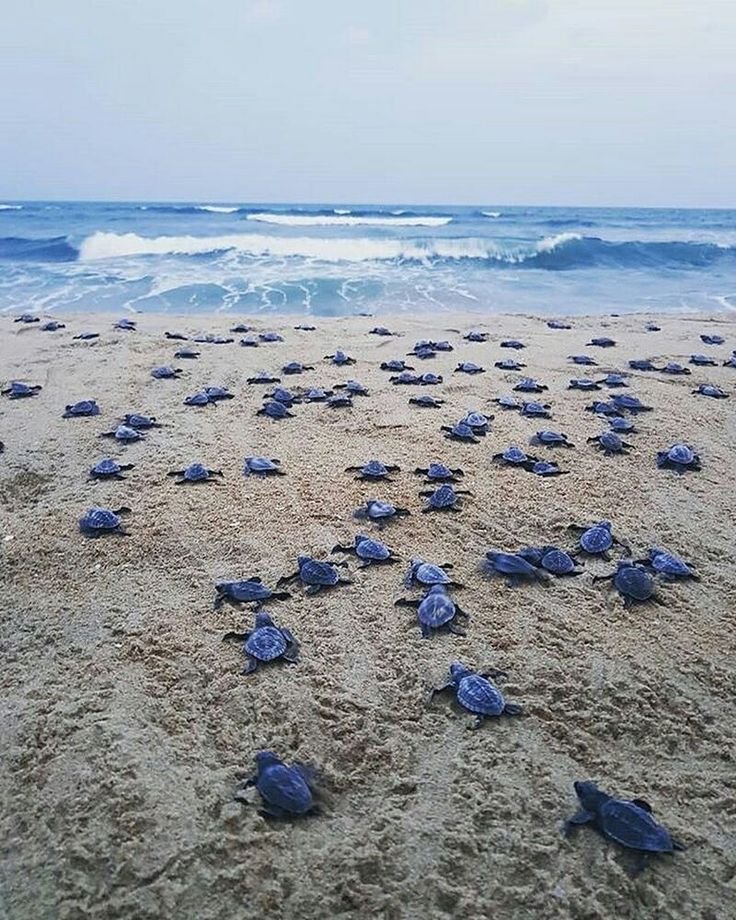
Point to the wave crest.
(345, 220)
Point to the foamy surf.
(345, 220)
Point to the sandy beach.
(127, 723)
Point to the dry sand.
(126, 722)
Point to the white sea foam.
(11, 207)
(342, 211)
(216, 209)
(491, 213)
(324, 249)
(341, 220)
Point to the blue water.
(344, 259)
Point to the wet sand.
(127, 723)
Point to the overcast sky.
(621, 102)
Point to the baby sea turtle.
(558, 324)
(339, 401)
(475, 336)
(513, 456)
(625, 402)
(731, 362)
(86, 336)
(443, 498)
(18, 390)
(679, 457)
(602, 342)
(427, 573)
(26, 318)
(241, 327)
(109, 469)
(396, 365)
(551, 439)
(315, 575)
(530, 385)
(438, 472)
(210, 339)
(406, 378)
(600, 407)
(652, 327)
(582, 359)
(703, 361)
(369, 550)
(164, 372)
(263, 377)
(80, 409)
(583, 383)
(668, 565)
(194, 473)
(614, 380)
(125, 434)
(629, 823)
(296, 367)
(508, 364)
(245, 591)
(442, 346)
(379, 512)
(270, 337)
(642, 364)
(475, 691)
(250, 341)
(545, 468)
(596, 539)
(710, 389)
(467, 367)
(97, 522)
(633, 582)
(353, 387)
(430, 379)
(340, 358)
(186, 353)
(610, 443)
(286, 792)
(177, 336)
(127, 325)
(305, 327)
(426, 402)
(672, 367)
(52, 326)
(712, 339)
(512, 343)
(217, 393)
(460, 432)
(479, 422)
(380, 330)
(435, 611)
(508, 402)
(316, 394)
(275, 410)
(423, 351)
(535, 410)
(265, 642)
(373, 470)
(514, 567)
(282, 395)
(620, 424)
(552, 559)
(262, 466)
(199, 400)
(141, 422)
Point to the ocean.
(332, 260)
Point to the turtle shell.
(427, 573)
(476, 420)
(126, 433)
(99, 519)
(611, 442)
(196, 472)
(275, 409)
(368, 548)
(477, 694)
(285, 787)
(244, 591)
(534, 409)
(681, 454)
(266, 643)
(702, 360)
(508, 365)
(443, 497)
(582, 359)
(259, 465)
(313, 572)
(634, 581)
(436, 609)
(557, 561)
(597, 539)
(438, 471)
(551, 437)
(583, 383)
(197, 399)
(106, 467)
(84, 407)
(619, 423)
(463, 431)
(515, 455)
(164, 372)
(374, 468)
(669, 564)
(632, 826)
(545, 468)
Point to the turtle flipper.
(578, 819)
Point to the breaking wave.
(340, 219)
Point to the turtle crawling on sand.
(109, 469)
(436, 610)
(286, 792)
(379, 512)
(368, 549)
(476, 692)
(99, 521)
(428, 573)
(18, 390)
(80, 409)
(193, 474)
(679, 457)
(315, 575)
(443, 498)
(633, 582)
(265, 642)
(438, 472)
(246, 591)
(514, 567)
(373, 470)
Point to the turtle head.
(302, 560)
(458, 671)
(607, 525)
(266, 759)
(590, 796)
(263, 619)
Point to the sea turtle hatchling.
(596, 539)
(264, 643)
(679, 457)
(125, 324)
(508, 364)
(305, 327)
(18, 390)
(97, 522)
(710, 389)
(620, 424)
(428, 574)
(193, 474)
(27, 318)
(396, 365)
(199, 400)
(436, 610)
(535, 410)
(262, 466)
(282, 395)
(545, 468)
(245, 591)
(315, 575)
(730, 362)
(216, 393)
(626, 402)
(668, 565)
(85, 407)
(475, 336)
(601, 407)
(353, 387)
(513, 456)
(381, 331)
(546, 438)
(339, 401)
(479, 422)
(186, 353)
(270, 337)
(642, 364)
(712, 339)
(208, 338)
(530, 385)
(512, 343)
(703, 361)
(340, 358)
(125, 434)
(140, 422)
(476, 692)
(552, 559)
(558, 324)
(586, 360)
(177, 336)
(368, 549)
(373, 470)
(468, 367)
(52, 326)
(109, 469)
(513, 567)
(426, 402)
(263, 377)
(614, 380)
(241, 328)
(250, 341)
(610, 443)
(164, 372)
(583, 383)
(602, 342)
(379, 512)
(430, 379)
(86, 336)
(633, 582)
(438, 472)
(406, 378)
(285, 791)
(443, 498)
(460, 432)
(316, 394)
(627, 822)
(296, 367)
(508, 403)
(275, 410)
(672, 367)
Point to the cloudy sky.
(621, 102)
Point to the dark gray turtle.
(262, 466)
(270, 337)
(535, 410)
(109, 469)
(547, 438)
(628, 823)
(210, 339)
(423, 351)
(124, 434)
(442, 346)
(652, 327)
(177, 336)
(18, 390)
(602, 342)
(710, 389)
(427, 573)
(86, 336)
(672, 367)
(263, 377)
(642, 364)
(558, 324)
(620, 424)
(475, 336)
(600, 407)
(552, 559)
(614, 380)
(633, 582)
(97, 522)
(126, 325)
(479, 422)
(512, 343)
(514, 567)
(508, 402)
(435, 611)
(545, 468)
(317, 394)
(369, 550)
(438, 472)
(712, 339)
(275, 410)
(396, 365)
(164, 372)
(443, 498)
(286, 792)
(305, 327)
(246, 591)
(406, 378)
(679, 457)
(596, 539)
(80, 409)
(200, 400)
(583, 383)
(140, 422)
(52, 326)
(282, 395)
(380, 330)
(703, 361)
(315, 575)
(668, 565)
(508, 364)
(625, 402)
(426, 380)
(426, 402)
(354, 388)
(475, 691)
(296, 367)
(241, 328)
(186, 353)
(731, 362)
(339, 401)
(250, 341)
(610, 443)
(513, 456)
(27, 318)
(373, 470)
(530, 385)
(340, 358)
(193, 474)
(264, 643)
(460, 432)
(582, 359)
(379, 512)
(217, 393)
(467, 367)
